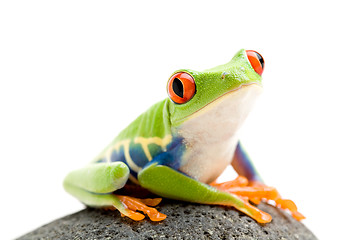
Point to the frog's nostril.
(256, 60)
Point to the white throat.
(210, 134)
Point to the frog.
(181, 145)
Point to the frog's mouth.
(237, 102)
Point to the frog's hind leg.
(94, 186)
(170, 183)
(254, 189)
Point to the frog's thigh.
(169, 183)
(98, 178)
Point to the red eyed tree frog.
(178, 147)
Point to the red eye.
(256, 60)
(181, 87)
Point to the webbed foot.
(256, 192)
(132, 204)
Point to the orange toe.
(135, 215)
(286, 204)
(254, 212)
(152, 202)
(255, 200)
(254, 192)
(135, 204)
(240, 181)
(298, 216)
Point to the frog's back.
(152, 123)
(145, 137)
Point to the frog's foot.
(285, 204)
(131, 205)
(255, 192)
(250, 210)
(289, 205)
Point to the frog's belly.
(206, 163)
(211, 134)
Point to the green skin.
(94, 184)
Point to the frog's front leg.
(250, 185)
(94, 186)
(169, 183)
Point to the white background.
(74, 73)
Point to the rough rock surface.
(184, 221)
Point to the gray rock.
(184, 221)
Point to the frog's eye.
(256, 60)
(181, 87)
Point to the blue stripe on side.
(137, 155)
(171, 157)
(117, 156)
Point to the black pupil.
(178, 87)
(261, 60)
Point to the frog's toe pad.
(298, 216)
(287, 204)
(135, 204)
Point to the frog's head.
(227, 86)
